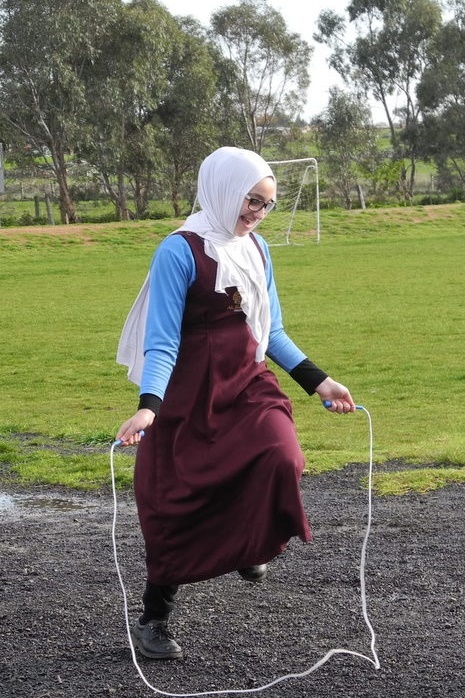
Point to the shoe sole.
(153, 655)
(254, 580)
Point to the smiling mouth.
(247, 221)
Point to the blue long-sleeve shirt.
(172, 272)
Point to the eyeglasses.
(257, 205)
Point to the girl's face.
(263, 192)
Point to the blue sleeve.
(171, 273)
(281, 348)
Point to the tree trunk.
(36, 206)
(175, 182)
(123, 198)
(404, 184)
(175, 203)
(117, 196)
(67, 208)
(413, 169)
(361, 198)
(141, 189)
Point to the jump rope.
(374, 657)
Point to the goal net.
(296, 218)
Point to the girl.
(217, 472)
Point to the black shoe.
(155, 641)
(257, 573)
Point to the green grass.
(86, 471)
(379, 303)
(421, 480)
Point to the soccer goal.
(297, 214)
(296, 218)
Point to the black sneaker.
(256, 573)
(155, 641)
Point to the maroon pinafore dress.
(217, 475)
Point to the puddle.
(10, 503)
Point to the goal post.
(296, 218)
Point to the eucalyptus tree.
(347, 140)
(390, 51)
(272, 64)
(190, 127)
(45, 45)
(441, 95)
(124, 89)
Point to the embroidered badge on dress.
(236, 302)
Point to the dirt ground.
(63, 631)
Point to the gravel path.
(62, 623)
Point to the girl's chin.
(243, 228)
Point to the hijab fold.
(225, 177)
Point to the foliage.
(190, 130)
(347, 137)
(390, 52)
(45, 46)
(124, 99)
(124, 88)
(272, 63)
(441, 94)
(138, 95)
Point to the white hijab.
(225, 177)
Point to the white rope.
(373, 659)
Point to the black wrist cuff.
(147, 401)
(308, 375)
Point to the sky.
(300, 17)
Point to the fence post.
(48, 206)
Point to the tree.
(124, 89)
(44, 47)
(190, 127)
(389, 54)
(347, 141)
(271, 64)
(441, 95)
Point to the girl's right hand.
(129, 432)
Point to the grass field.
(379, 303)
